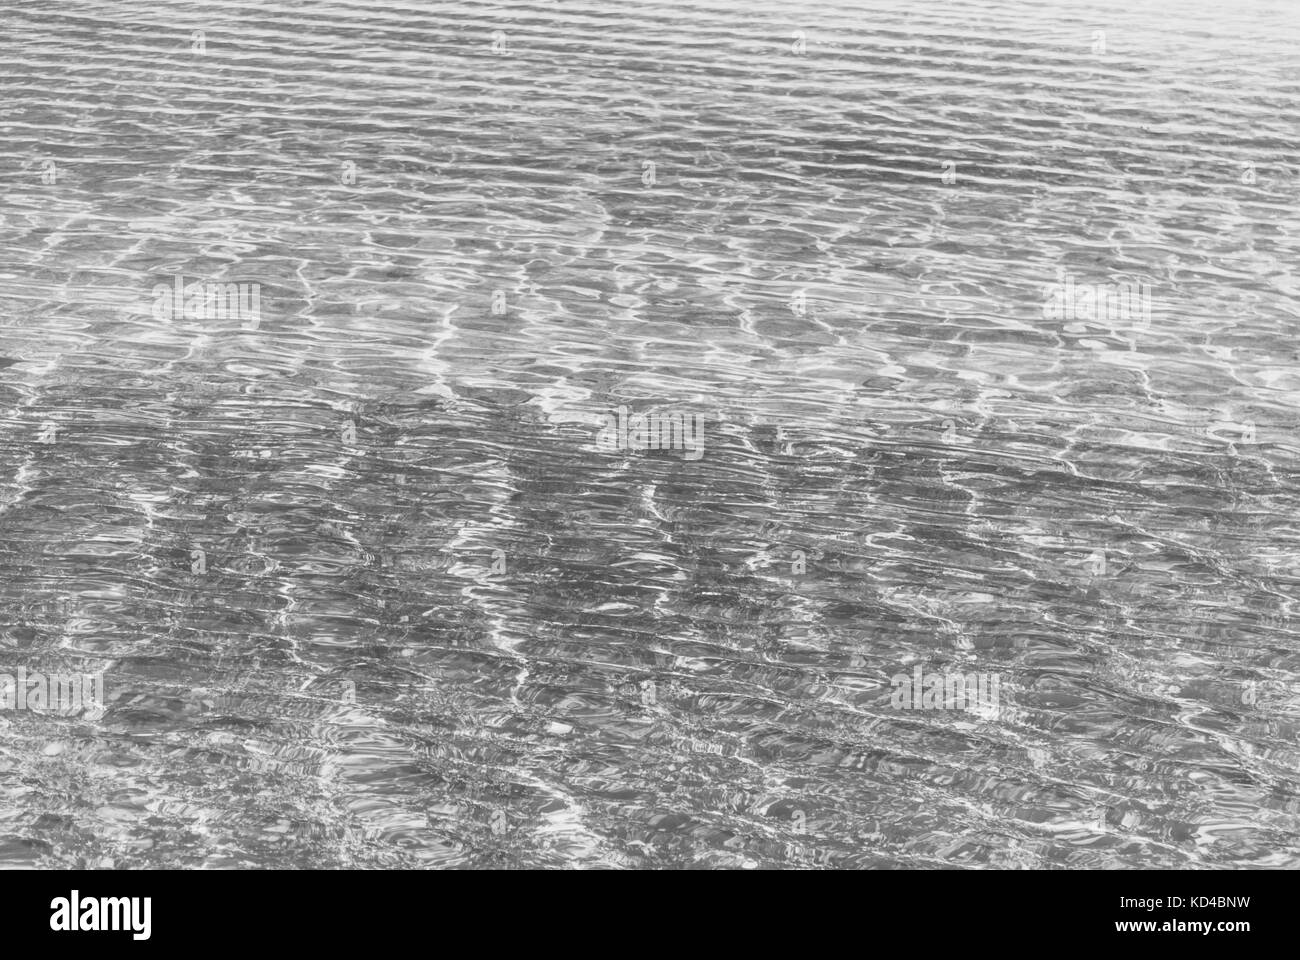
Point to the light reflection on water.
(437, 623)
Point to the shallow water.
(473, 636)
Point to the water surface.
(470, 636)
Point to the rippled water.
(473, 635)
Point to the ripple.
(368, 590)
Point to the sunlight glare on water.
(370, 584)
